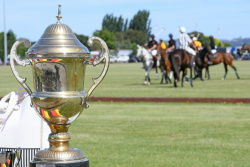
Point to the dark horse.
(180, 60)
(164, 63)
(244, 48)
(200, 61)
(226, 59)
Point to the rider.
(185, 41)
(163, 45)
(152, 45)
(198, 46)
(212, 44)
(171, 43)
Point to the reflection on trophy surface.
(59, 62)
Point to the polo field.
(113, 134)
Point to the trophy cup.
(59, 61)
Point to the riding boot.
(209, 60)
(192, 63)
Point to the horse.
(165, 64)
(200, 61)
(157, 64)
(244, 48)
(147, 60)
(180, 60)
(226, 59)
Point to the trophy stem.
(59, 138)
(59, 141)
(59, 151)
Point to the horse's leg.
(196, 73)
(186, 77)
(162, 73)
(191, 77)
(167, 77)
(149, 69)
(146, 78)
(225, 75)
(156, 69)
(201, 75)
(207, 72)
(235, 70)
(170, 74)
(182, 78)
(175, 79)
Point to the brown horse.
(244, 48)
(180, 60)
(200, 61)
(164, 63)
(226, 59)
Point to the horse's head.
(139, 53)
(244, 48)
(207, 50)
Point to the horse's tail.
(174, 66)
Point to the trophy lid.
(58, 40)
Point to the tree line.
(117, 32)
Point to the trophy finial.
(59, 14)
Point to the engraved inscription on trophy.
(50, 77)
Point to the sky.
(224, 19)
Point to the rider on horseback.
(185, 41)
(171, 43)
(163, 45)
(212, 44)
(152, 45)
(198, 45)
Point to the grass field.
(126, 80)
(159, 134)
(164, 134)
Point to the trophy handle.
(13, 56)
(104, 55)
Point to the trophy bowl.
(58, 62)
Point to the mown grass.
(159, 134)
(164, 134)
(126, 80)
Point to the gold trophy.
(59, 61)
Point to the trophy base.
(82, 163)
(49, 156)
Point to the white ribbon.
(8, 104)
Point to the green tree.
(141, 22)
(112, 23)
(203, 39)
(226, 44)
(135, 36)
(11, 39)
(107, 36)
(119, 39)
(82, 38)
(1, 46)
(125, 27)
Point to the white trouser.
(189, 50)
(214, 51)
(153, 52)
